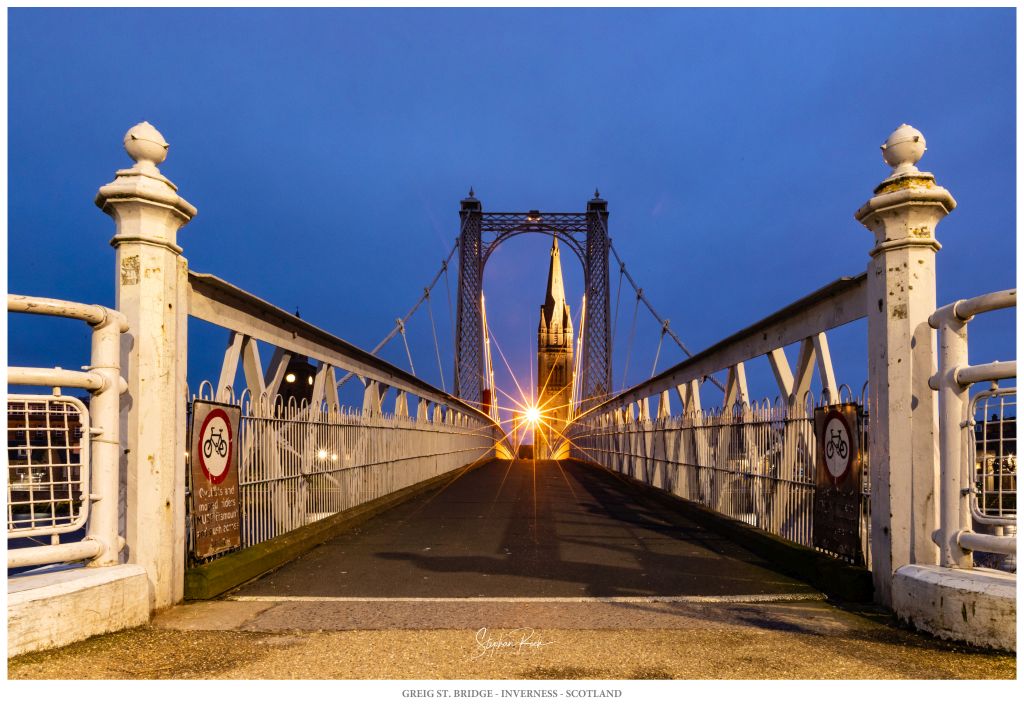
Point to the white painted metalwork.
(306, 460)
(972, 488)
(47, 465)
(301, 463)
(247, 316)
(753, 461)
(992, 460)
(62, 458)
(803, 321)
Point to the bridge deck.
(504, 530)
(527, 529)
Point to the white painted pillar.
(152, 293)
(903, 447)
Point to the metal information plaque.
(213, 468)
(837, 497)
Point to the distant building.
(995, 464)
(554, 365)
(298, 380)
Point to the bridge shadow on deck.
(527, 529)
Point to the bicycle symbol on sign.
(836, 445)
(217, 443)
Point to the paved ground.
(764, 641)
(520, 572)
(527, 528)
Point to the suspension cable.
(661, 339)
(623, 272)
(405, 340)
(632, 334)
(448, 289)
(400, 323)
(577, 379)
(618, 296)
(437, 348)
(641, 297)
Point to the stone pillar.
(152, 291)
(903, 434)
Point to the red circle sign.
(837, 446)
(216, 444)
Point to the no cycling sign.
(837, 445)
(213, 470)
(215, 448)
(838, 488)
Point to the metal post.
(953, 402)
(152, 286)
(104, 409)
(903, 215)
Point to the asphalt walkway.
(527, 529)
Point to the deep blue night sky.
(327, 151)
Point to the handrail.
(100, 502)
(92, 314)
(223, 304)
(48, 377)
(999, 370)
(952, 381)
(965, 309)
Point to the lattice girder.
(592, 251)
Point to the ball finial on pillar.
(903, 149)
(140, 198)
(145, 145)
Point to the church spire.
(554, 301)
(554, 362)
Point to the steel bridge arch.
(592, 250)
(577, 246)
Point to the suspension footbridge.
(172, 492)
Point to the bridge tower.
(586, 235)
(596, 356)
(469, 359)
(554, 362)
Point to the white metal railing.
(964, 490)
(992, 460)
(63, 458)
(48, 476)
(752, 461)
(305, 461)
(299, 464)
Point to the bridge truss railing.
(978, 440)
(753, 461)
(62, 456)
(305, 460)
(159, 299)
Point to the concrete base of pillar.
(58, 608)
(977, 606)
